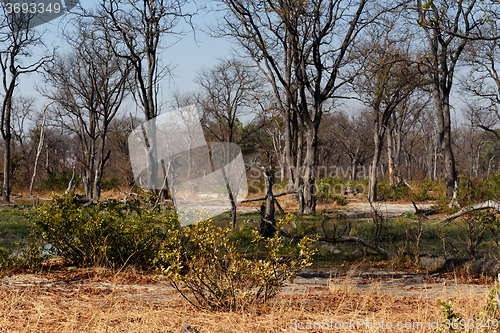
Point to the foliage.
(427, 190)
(331, 190)
(450, 317)
(477, 190)
(487, 321)
(201, 260)
(99, 234)
(109, 184)
(58, 182)
(385, 191)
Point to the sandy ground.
(309, 282)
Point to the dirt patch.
(308, 282)
(89, 301)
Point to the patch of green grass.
(14, 228)
(13, 221)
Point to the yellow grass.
(80, 304)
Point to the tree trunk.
(151, 155)
(40, 146)
(372, 186)
(354, 165)
(99, 168)
(308, 204)
(444, 128)
(6, 168)
(389, 157)
(298, 162)
(87, 183)
(267, 227)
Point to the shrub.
(58, 182)
(201, 260)
(427, 190)
(109, 184)
(486, 321)
(386, 191)
(99, 234)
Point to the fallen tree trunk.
(493, 204)
(424, 212)
(387, 254)
(274, 195)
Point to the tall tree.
(300, 47)
(448, 26)
(229, 90)
(138, 29)
(18, 45)
(89, 84)
(387, 76)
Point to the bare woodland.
(395, 90)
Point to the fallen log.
(274, 195)
(387, 254)
(424, 212)
(493, 204)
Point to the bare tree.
(300, 48)
(388, 77)
(229, 90)
(448, 27)
(483, 82)
(137, 29)
(40, 146)
(89, 84)
(405, 118)
(17, 57)
(353, 135)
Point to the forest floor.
(366, 295)
(96, 300)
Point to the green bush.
(427, 190)
(99, 234)
(330, 190)
(58, 182)
(109, 184)
(201, 260)
(386, 191)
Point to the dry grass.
(77, 302)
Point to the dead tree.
(40, 146)
(493, 204)
(267, 223)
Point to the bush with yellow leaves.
(209, 271)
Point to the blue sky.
(189, 55)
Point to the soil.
(394, 283)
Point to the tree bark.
(267, 223)
(389, 157)
(6, 167)
(40, 146)
(372, 185)
(308, 204)
(444, 135)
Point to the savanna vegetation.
(333, 103)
